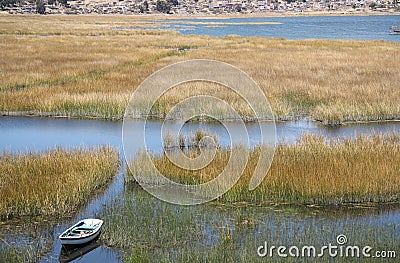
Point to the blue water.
(27, 134)
(21, 134)
(311, 27)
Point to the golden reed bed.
(311, 171)
(88, 66)
(53, 183)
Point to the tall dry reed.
(89, 66)
(311, 171)
(53, 183)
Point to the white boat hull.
(69, 237)
(79, 241)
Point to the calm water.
(378, 226)
(22, 134)
(323, 27)
(19, 134)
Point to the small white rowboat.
(82, 232)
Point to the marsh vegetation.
(310, 171)
(54, 183)
(84, 66)
(224, 233)
(88, 67)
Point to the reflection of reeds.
(11, 255)
(200, 139)
(24, 250)
(221, 233)
(53, 183)
(311, 171)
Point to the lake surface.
(302, 27)
(23, 134)
(378, 226)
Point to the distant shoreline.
(275, 15)
(224, 16)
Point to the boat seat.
(85, 227)
(91, 227)
(82, 229)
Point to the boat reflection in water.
(70, 252)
